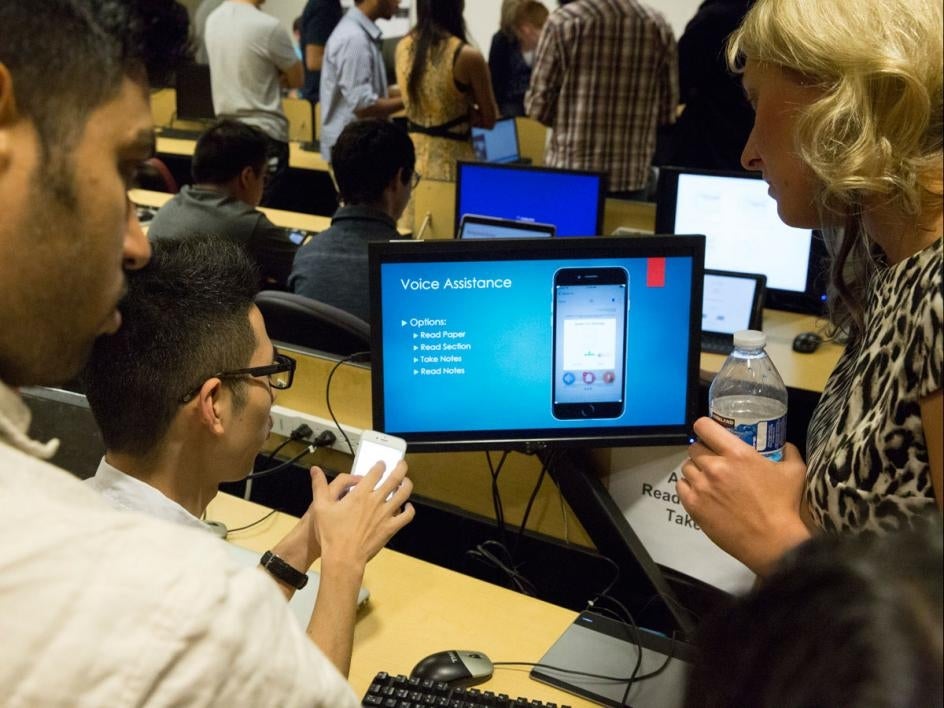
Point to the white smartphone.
(377, 447)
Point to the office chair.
(299, 320)
(154, 174)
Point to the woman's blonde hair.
(876, 130)
(509, 8)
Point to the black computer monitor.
(744, 233)
(569, 199)
(520, 344)
(194, 93)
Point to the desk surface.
(803, 371)
(297, 158)
(417, 608)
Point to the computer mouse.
(457, 668)
(807, 342)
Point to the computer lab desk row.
(416, 609)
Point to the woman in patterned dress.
(446, 89)
(848, 134)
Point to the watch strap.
(281, 570)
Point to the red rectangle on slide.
(655, 272)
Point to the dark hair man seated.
(229, 173)
(182, 394)
(373, 162)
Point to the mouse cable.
(356, 356)
(249, 526)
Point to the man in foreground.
(99, 607)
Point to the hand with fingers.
(747, 504)
(350, 522)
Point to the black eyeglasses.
(280, 374)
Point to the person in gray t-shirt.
(251, 59)
(373, 163)
(229, 175)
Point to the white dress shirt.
(109, 608)
(127, 493)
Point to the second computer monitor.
(570, 200)
(744, 233)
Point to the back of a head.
(367, 155)
(530, 12)
(846, 622)
(67, 57)
(225, 149)
(185, 317)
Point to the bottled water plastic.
(748, 396)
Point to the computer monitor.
(570, 200)
(731, 302)
(194, 94)
(520, 344)
(475, 226)
(744, 233)
(497, 144)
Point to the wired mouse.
(456, 668)
(807, 342)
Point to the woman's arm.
(471, 69)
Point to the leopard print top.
(867, 456)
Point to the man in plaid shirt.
(605, 77)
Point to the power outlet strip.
(285, 420)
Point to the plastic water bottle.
(748, 396)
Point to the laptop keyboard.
(398, 691)
(717, 343)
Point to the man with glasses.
(373, 162)
(229, 177)
(182, 395)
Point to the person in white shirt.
(100, 607)
(182, 395)
(251, 60)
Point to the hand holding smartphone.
(377, 447)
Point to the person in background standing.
(319, 18)
(605, 78)
(446, 89)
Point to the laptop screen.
(499, 144)
(731, 302)
(474, 226)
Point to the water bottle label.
(765, 436)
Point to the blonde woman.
(847, 133)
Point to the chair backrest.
(154, 174)
(299, 320)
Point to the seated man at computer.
(182, 394)
(373, 163)
(229, 173)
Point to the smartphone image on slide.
(377, 447)
(590, 321)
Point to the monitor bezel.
(533, 439)
(601, 196)
(811, 301)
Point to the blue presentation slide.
(469, 346)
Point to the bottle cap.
(749, 339)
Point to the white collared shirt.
(109, 608)
(127, 493)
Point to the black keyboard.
(717, 343)
(399, 691)
(313, 146)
